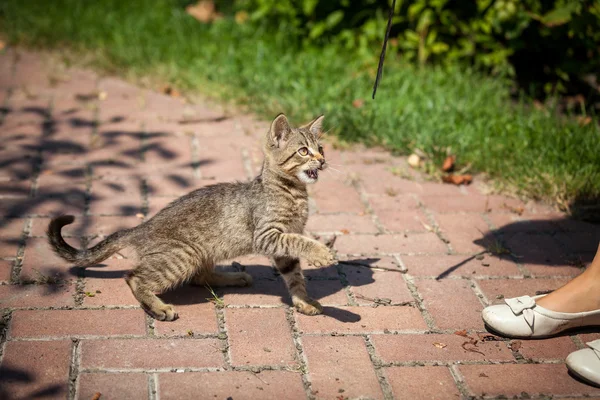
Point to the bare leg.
(292, 274)
(578, 295)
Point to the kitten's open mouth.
(312, 173)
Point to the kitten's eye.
(303, 151)
(322, 151)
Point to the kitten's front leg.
(294, 280)
(274, 243)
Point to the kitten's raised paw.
(165, 313)
(308, 307)
(322, 257)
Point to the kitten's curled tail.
(96, 254)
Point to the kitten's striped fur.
(265, 216)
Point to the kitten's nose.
(322, 161)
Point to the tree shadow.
(14, 378)
(42, 149)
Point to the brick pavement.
(421, 261)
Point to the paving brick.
(113, 386)
(553, 348)
(377, 179)
(407, 221)
(196, 313)
(457, 265)
(55, 180)
(567, 268)
(367, 284)
(116, 197)
(239, 385)
(422, 383)
(262, 292)
(328, 292)
(173, 184)
(457, 203)
(17, 296)
(220, 159)
(167, 150)
(406, 348)
(58, 323)
(106, 287)
(40, 264)
(312, 272)
(340, 366)
(150, 353)
(398, 203)
(540, 249)
(35, 369)
(11, 231)
(335, 196)
(6, 270)
(580, 242)
(398, 243)
(497, 290)
(362, 320)
(259, 337)
(341, 223)
(514, 379)
(508, 224)
(468, 233)
(452, 303)
(15, 188)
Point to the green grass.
(529, 151)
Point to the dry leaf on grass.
(583, 121)
(170, 91)
(516, 210)
(2, 45)
(439, 345)
(457, 179)
(358, 103)
(241, 17)
(97, 396)
(448, 163)
(203, 11)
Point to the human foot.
(579, 295)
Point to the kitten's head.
(296, 152)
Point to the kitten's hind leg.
(292, 274)
(156, 275)
(212, 278)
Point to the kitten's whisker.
(336, 170)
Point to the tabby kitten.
(184, 240)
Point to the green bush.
(547, 45)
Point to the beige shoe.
(522, 318)
(585, 363)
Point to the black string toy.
(382, 55)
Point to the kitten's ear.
(280, 130)
(315, 125)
